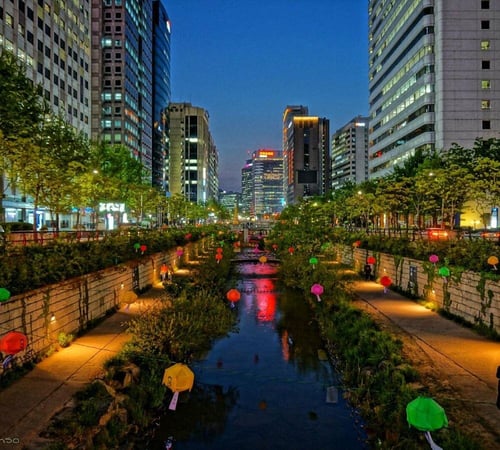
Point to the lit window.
(485, 104)
(485, 84)
(485, 45)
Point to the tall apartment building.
(246, 188)
(122, 75)
(192, 160)
(161, 90)
(349, 153)
(306, 154)
(434, 78)
(52, 39)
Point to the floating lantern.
(291, 250)
(4, 294)
(356, 244)
(313, 261)
(13, 342)
(178, 378)
(317, 289)
(143, 248)
(233, 295)
(371, 260)
(493, 261)
(386, 282)
(218, 257)
(263, 259)
(128, 297)
(434, 259)
(137, 246)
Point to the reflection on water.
(266, 386)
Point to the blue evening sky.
(244, 61)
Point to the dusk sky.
(244, 61)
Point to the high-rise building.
(122, 76)
(192, 160)
(349, 153)
(433, 77)
(161, 90)
(52, 39)
(267, 181)
(306, 154)
(246, 188)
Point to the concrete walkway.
(28, 404)
(466, 361)
(469, 361)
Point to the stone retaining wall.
(72, 305)
(469, 295)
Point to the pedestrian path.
(28, 404)
(468, 361)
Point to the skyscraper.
(433, 79)
(306, 154)
(192, 160)
(350, 153)
(161, 90)
(122, 76)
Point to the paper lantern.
(188, 236)
(291, 250)
(371, 260)
(356, 244)
(218, 257)
(233, 295)
(434, 259)
(4, 294)
(179, 252)
(143, 248)
(13, 342)
(137, 246)
(263, 259)
(275, 247)
(219, 250)
(386, 282)
(444, 271)
(313, 261)
(493, 261)
(178, 378)
(317, 289)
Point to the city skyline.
(244, 62)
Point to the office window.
(485, 104)
(30, 37)
(9, 20)
(485, 45)
(486, 125)
(485, 24)
(485, 4)
(485, 84)
(485, 64)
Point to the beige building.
(192, 159)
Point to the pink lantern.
(188, 236)
(179, 252)
(317, 289)
(434, 259)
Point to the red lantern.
(219, 250)
(143, 248)
(233, 295)
(275, 247)
(386, 282)
(13, 342)
(218, 257)
(356, 244)
(188, 236)
(291, 250)
(371, 260)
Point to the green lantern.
(4, 294)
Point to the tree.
(485, 186)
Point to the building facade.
(52, 40)
(267, 181)
(192, 160)
(349, 153)
(433, 77)
(246, 189)
(122, 76)
(306, 154)
(161, 91)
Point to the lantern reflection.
(265, 299)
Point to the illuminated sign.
(266, 154)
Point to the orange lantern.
(493, 261)
(263, 259)
(233, 295)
